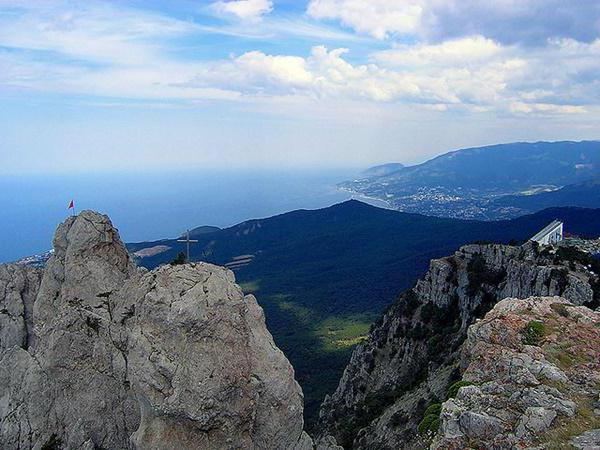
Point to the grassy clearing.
(301, 313)
(250, 287)
(343, 332)
(333, 333)
(317, 344)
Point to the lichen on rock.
(526, 395)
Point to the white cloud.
(94, 32)
(505, 21)
(528, 108)
(287, 70)
(463, 72)
(244, 9)
(272, 28)
(470, 50)
(102, 50)
(560, 80)
(375, 17)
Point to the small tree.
(180, 259)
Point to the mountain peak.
(383, 169)
(128, 351)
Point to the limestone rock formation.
(206, 371)
(534, 369)
(70, 385)
(105, 355)
(412, 355)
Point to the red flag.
(71, 205)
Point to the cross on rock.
(188, 241)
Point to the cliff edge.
(413, 353)
(532, 379)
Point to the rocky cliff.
(412, 355)
(531, 379)
(98, 354)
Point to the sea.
(157, 204)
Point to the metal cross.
(188, 241)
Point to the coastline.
(374, 201)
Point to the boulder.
(206, 371)
(74, 386)
(590, 440)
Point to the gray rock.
(545, 397)
(590, 440)
(110, 356)
(73, 366)
(405, 363)
(450, 420)
(18, 289)
(206, 371)
(535, 420)
(24, 424)
(328, 443)
(480, 425)
(504, 412)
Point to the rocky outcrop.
(532, 378)
(206, 371)
(70, 386)
(106, 355)
(412, 355)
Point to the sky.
(144, 85)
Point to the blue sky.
(103, 86)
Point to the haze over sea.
(155, 205)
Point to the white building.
(551, 234)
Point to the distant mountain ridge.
(383, 169)
(323, 276)
(584, 195)
(461, 183)
(204, 229)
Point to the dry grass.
(565, 429)
(573, 353)
(565, 356)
